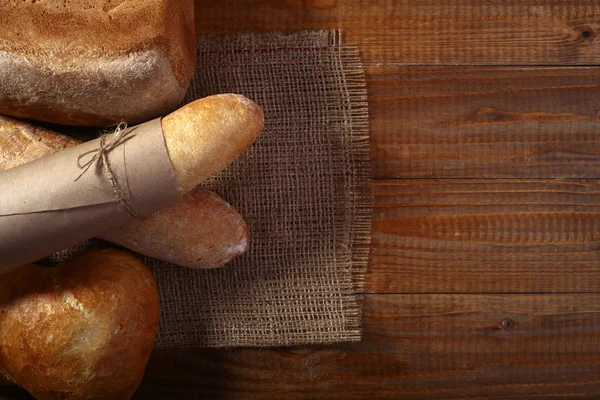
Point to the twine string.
(100, 159)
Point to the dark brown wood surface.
(485, 122)
(457, 32)
(485, 236)
(415, 346)
(484, 277)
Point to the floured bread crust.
(90, 62)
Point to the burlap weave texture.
(303, 189)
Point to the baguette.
(92, 63)
(200, 139)
(201, 232)
(205, 136)
(83, 330)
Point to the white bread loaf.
(95, 62)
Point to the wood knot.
(587, 34)
(508, 324)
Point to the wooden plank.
(484, 122)
(485, 236)
(527, 32)
(415, 347)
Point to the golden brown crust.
(21, 142)
(212, 231)
(201, 232)
(70, 32)
(88, 62)
(205, 136)
(82, 330)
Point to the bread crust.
(203, 231)
(21, 142)
(203, 137)
(90, 62)
(82, 330)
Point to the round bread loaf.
(83, 330)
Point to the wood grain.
(415, 347)
(484, 122)
(472, 32)
(485, 236)
(477, 114)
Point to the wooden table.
(484, 277)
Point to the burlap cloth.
(303, 189)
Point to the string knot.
(100, 159)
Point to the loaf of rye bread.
(93, 63)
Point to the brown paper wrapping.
(44, 207)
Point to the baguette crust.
(205, 136)
(82, 330)
(85, 62)
(201, 232)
